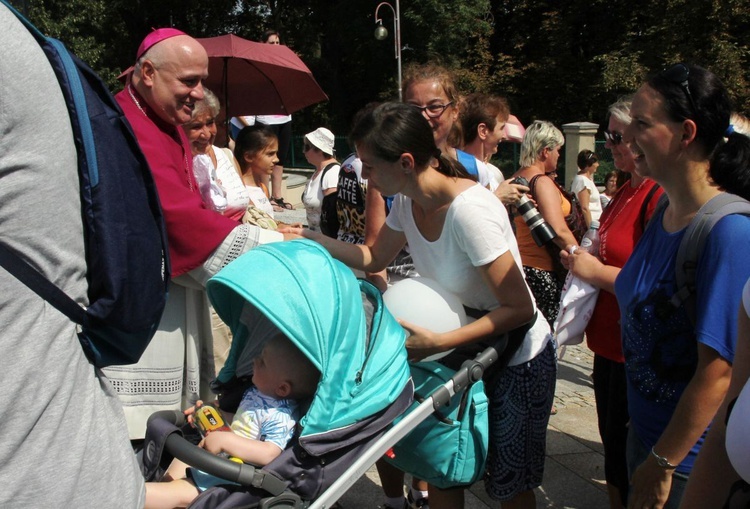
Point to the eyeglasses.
(679, 74)
(613, 138)
(433, 110)
(306, 147)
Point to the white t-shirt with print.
(259, 199)
(262, 417)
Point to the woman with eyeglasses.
(319, 196)
(677, 372)
(432, 90)
(584, 188)
(621, 225)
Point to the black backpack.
(329, 219)
(125, 237)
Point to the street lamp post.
(381, 33)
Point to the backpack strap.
(32, 278)
(645, 204)
(468, 161)
(325, 170)
(691, 246)
(70, 70)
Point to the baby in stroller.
(340, 325)
(260, 430)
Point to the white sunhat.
(322, 139)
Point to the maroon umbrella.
(251, 78)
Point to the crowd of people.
(418, 197)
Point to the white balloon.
(423, 302)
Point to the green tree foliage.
(561, 60)
(569, 59)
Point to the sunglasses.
(679, 75)
(433, 110)
(613, 138)
(306, 147)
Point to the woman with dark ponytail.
(678, 366)
(730, 165)
(460, 236)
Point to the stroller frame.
(248, 475)
(330, 326)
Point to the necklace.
(615, 208)
(185, 159)
(132, 96)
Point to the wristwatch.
(662, 461)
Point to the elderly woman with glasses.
(201, 131)
(621, 225)
(584, 188)
(678, 364)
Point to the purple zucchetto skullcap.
(158, 35)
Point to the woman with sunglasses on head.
(677, 372)
(584, 188)
(721, 474)
(621, 225)
(460, 236)
(319, 196)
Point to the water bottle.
(590, 241)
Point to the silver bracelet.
(662, 461)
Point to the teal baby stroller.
(341, 325)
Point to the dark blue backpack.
(125, 238)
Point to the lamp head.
(381, 32)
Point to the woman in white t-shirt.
(584, 188)
(318, 150)
(201, 132)
(460, 236)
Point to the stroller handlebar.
(171, 416)
(247, 475)
(201, 459)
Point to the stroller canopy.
(318, 303)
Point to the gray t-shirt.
(63, 442)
